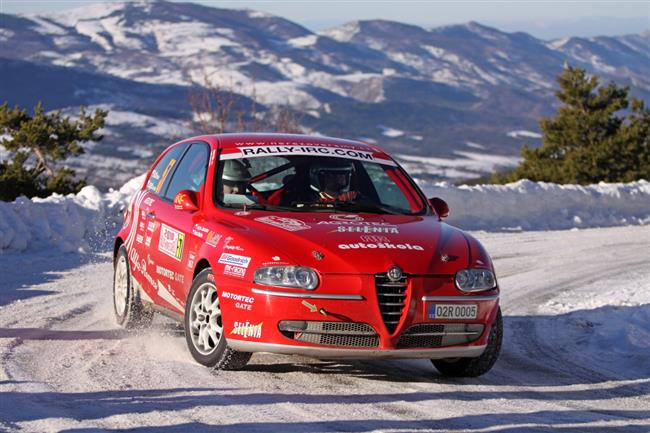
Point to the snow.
(526, 205)
(303, 41)
(343, 33)
(390, 132)
(75, 222)
(68, 367)
(466, 166)
(524, 133)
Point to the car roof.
(235, 140)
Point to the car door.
(146, 229)
(179, 231)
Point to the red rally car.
(303, 245)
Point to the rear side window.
(190, 173)
(162, 172)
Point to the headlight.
(287, 276)
(475, 280)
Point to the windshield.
(310, 183)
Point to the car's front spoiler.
(341, 353)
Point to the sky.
(544, 19)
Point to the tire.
(204, 327)
(129, 311)
(474, 367)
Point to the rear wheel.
(129, 311)
(204, 327)
(473, 367)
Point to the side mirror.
(440, 206)
(186, 200)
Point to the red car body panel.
(168, 246)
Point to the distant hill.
(451, 94)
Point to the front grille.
(427, 335)
(341, 334)
(391, 296)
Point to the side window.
(190, 173)
(161, 173)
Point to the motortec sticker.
(241, 302)
(247, 329)
(315, 150)
(382, 246)
(235, 260)
(288, 224)
(171, 242)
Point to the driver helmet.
(235, 171)
(331, 177)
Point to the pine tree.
(36, 144)
(589, 140)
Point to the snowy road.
(576, 356)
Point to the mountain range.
(452, 102)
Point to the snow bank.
(526, 205)
(75, 222)
(86, 221)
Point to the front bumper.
(258, 325)
(338, 353)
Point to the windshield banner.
(313, 150)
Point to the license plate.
(452, 311)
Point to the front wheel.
(204, 327)
(129, 311)
(473, 367)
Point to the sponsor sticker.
(147, 240)
(138, 239)
(235, 271)
(345, 217)
(367, 229)
(191, 257)
(288, 224)
(227, 246)
(152, 226)
(212, 239)
(235, 260)
(382, 246)
(167, 273)
(171, 242)
(374, 238)
(250, 151)
(199, 231)
(247, 329)
(148, 201)
(241, 302)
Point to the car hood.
(344, 243)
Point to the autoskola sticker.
(234, 259)
(247, 329)
(171, 242)
(288, 224)
(382, 246)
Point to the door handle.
(151, 215)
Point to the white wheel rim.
(121, 286)
(206, 327)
